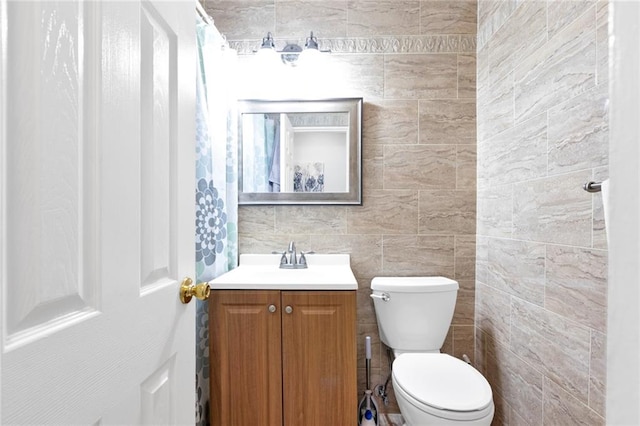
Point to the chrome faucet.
(293, 259)
(293, 262)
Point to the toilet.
(432, 388)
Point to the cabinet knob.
(288, 309)
(272, 308)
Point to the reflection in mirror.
(293, 152)
(300, 152)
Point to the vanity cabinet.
(283, 357)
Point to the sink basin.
(262, 271)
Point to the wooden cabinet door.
(246, 363)
(319, 358)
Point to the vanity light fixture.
(268, 43)
(311, 48)
(291, 52)
(311, 43)
(267, 49)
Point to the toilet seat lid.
(442, 381)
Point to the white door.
(286, 154)
(96, 211)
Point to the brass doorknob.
(188, 290)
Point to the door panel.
(156, 404)
(48, 157)
(96, 202)
(157, 166)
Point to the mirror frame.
(351, 105)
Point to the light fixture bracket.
(290, 54)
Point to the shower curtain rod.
(208, 19)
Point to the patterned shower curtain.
(216, 185)
(258, 163)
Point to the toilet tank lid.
(414, 284)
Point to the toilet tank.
(417, 312)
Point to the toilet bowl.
(438, 389)
(432, 388)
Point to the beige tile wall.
(414, 63)
(541, 281)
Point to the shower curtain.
(216, 185)
(260, 162)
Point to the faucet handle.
(303, 259)
(283, 259)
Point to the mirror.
(300, 151)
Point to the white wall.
(623, 344)
(328, 147)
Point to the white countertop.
(262, 271)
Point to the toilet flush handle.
(384, 296)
